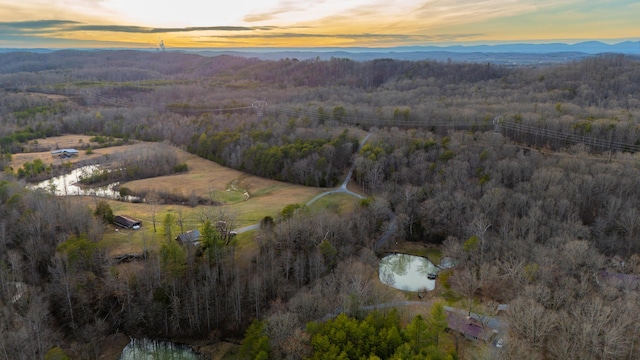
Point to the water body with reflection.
(407, 272)
(143, 349)
(64, 185)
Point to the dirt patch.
(128, 270)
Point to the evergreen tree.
(256, 342)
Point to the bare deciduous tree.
(466, 282)
(530, 321)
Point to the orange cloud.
(312, 23)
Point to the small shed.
(127, 222)
(190, 237)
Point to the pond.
(407, 272)
(143, 349)
(64, 185)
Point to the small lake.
(407, 272)
(64, 185)
(147, 349)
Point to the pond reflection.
(68, 184)
(407, 272)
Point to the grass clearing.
(337, 203)
(124, 241)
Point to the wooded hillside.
(524, 176)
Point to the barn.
(127, 222)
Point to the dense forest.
(524, 176)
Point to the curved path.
(340, 189)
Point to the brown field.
(210, 180)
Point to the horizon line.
(610, 42)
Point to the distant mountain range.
(587, 47)
(515, 54)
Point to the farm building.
(190, 237)
(127, 222)
(65, 153)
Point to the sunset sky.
(311, 23)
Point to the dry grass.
(210, 180)
(207, 179)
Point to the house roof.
(619, 279)
(65, 151)
(126, 220)
(191, 236)
(468, 326)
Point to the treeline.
(294, 154)
(71, 66)
(137, 163)
(27, 117)
(100, 66)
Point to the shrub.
(181, 168)
(56, 353)
(104, 212)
